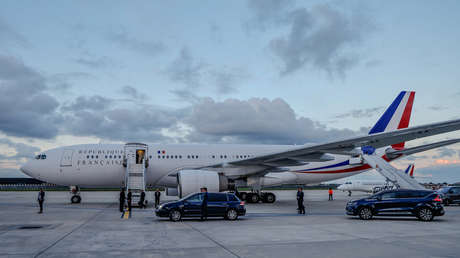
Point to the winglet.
(397, 116)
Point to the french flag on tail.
(410, 170)
(397, 116)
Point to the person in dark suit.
(300, 205)
(142, 200)
(129, 199)
(41, 199)
(157, 197)
(204, 204)
(122, 199)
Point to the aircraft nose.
(27, 169)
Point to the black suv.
(423, 204)
(225, 205)
(450, 194)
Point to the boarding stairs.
(136, 163)
(395, 176)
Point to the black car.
(423, 204)
(450, 194)
(225, 205)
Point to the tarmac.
(95, 228)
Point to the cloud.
(148, 47)
(8, 36)
(193, 74)
(95, 62)
(27, 109)
(360, 113)
(267, 13)
(445, 152)
(185, 69)
(133, 93)
(321, 37)
(22, 150)
(257, 121)
(96, 103)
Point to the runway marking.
(212, 240)
(126, 214)
(73, 230)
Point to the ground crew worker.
(142, 200)
(157, 197)
(41, 199)
(331, 193)
(300, 205)
(129, 199)
(204, 204)
(122, 199)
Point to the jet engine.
(190, 181)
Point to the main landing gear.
(256, 197)
(75, 191)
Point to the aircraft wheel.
(269, 198)
(253, 198)
(243, 196)
(75, 199)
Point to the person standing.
(41, 199)
(142, 200)
(204, 204)
(300, 205)
(157, 197)
(331, 194)
(122, 199)
(129, 199)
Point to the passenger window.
(194, 198)
(217, 197)
(387, 196)
(232, 198)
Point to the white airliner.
(371, 186)
(184, 168)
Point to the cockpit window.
(40, 156)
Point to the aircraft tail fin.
(397, 116)
(410, 170)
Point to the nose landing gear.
(75, 191)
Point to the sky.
(264, 72)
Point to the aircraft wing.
(302, 154)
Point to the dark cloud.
(27, 109)
(257, 121)
(8, 36)
(445, 152)
(142, 46)
(321, 37)
(132, 93)
(268, 13)
(360, 113)
(185, 69)
(22, 150)
(96, 103)
(193, 74)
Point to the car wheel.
(269, 198)
(365, 213)
(425, 214)
(231, 214)
(75, 199)
(175, 215)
